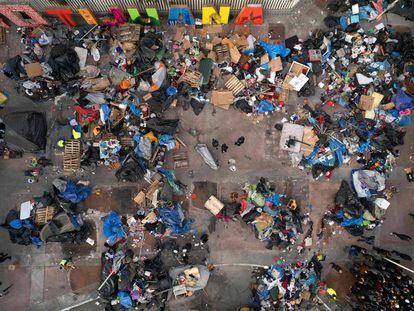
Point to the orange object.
(125, 84)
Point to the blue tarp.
(265, 106)
(173, 218)
(274, 49)
(75, 192)
(112, 228)
(274, 199)
(340, 149)
(347, 222)
(403, 100)
(125, 300)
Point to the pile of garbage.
(363, 204)
(275, 219)
(286, 286)
(131, 279)
(365, 78)
(380, 285)
(52, 217)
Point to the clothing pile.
(286, 286)
(275, 219)
(53, 217)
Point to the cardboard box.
(33, 70)
(213, 205)
(366, 102)
(234, 54)
(276, 64)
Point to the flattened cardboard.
(234, 54)
(264, 59)
(377, 99)
(389, 106)
(310, 138)
(366, 102)
(33, 70)
(276, 64)
(222, 99)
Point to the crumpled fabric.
(174, 219)
(275, 49)
(112, 228)
(176, 186)
(73, 192)
(143, 147)
(367, 183)
(166, 140)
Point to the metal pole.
(106, 280)
(397, 264)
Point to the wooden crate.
(44, 215)
(234, 85)
(71, 156)
(222, 52)
(193, 78)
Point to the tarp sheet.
(112, 228)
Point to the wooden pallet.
(222, 52)
(234, 85)
(126, 141)
(129, 33)
(284, 95)
(2, 35)
(193, 78)
(180, 160)
(44, 215)
(71, 156)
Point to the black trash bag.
(160, 101)
(64, 62)
(147, 49)
(163, 126)
(13, 68)
(17, 236)
(347, 200)
(30, 125)
(132, 169)
(331, 21)
(243, 105)
(355, 230)
(109, 289)
(197, 106)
